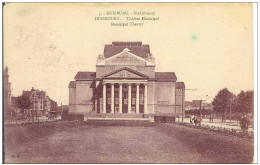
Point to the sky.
(209, 46)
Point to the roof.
(180, 85)
(189, 103)
(165, 76)
(136, 48)
(85, 76)
(26, 93)
(34, 92)
(72, 84)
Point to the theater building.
(125, 81)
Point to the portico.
(124, 96)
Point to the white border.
(256, 99)
(255, 37)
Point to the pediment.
(125, 73)
(126, 58)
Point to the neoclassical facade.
(125, 81)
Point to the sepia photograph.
(129, 83)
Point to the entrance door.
(125, 99)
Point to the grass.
(77, 142)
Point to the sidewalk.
(217, 123)
(25, 121)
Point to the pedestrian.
(210, 118)
(191, 119)
(244, 123)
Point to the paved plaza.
(162, 143)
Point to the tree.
(221, 103)
(23, 102)
(249, 102)
(54, 105)
(245, 102)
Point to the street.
(163, 143)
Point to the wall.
(84, 97)
(151, 94)
(164, 97)
(72, 99)
(180, 100)
(125, 60)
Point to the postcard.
(128, 83)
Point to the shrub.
(164, 119)
(226, 131)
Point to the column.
(104, 98)
(129, 98)
(137, 98)
(120, 98)
(145, 98)
(112, 99)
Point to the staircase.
(113, 115)
(122, 115)
(117, 119)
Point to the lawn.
(77, 142)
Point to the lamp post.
(206, 97)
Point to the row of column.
(120, 98)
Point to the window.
(125, 101)
(133, 101)
(141, 100)
(117, 101)
(178, 89)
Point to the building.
(197, 107)
(197, 104)
(63, 109)
(125, 76)
(7, 89)
(40, 101)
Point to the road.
(163, 143)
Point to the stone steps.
(120, 122)
(114, 115)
